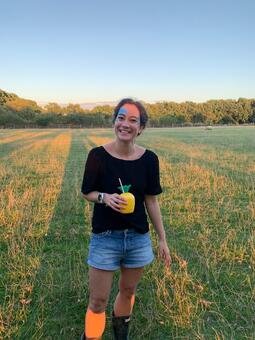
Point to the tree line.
(20, 112)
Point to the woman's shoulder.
(151, 154)
(97, 151)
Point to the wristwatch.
(100, 197)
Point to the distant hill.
(90, 106)
(9, 97)
(86, 106)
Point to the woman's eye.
(120, 118)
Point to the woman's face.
(127, 123)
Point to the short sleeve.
(153, 186)
(91, 173)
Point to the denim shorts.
(113, 249)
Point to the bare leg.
(100, 282)
(129, 279)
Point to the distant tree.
(244, 110)
(251, 118)
(8, 117)
(106, 110)
(53, 108)
(5, 97)
(28, 114)
(227, 119)
(73, 108)
(46, 119)
(198, 118)
(170, 120)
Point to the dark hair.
(143, 113)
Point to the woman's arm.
(114, 201)
(91, 196)
(153, 209)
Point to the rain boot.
(120, 327)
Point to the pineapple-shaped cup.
(130, 199)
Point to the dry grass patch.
(22, 136)
(27, 206)
(203, 152)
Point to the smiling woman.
(120, 236)
(133, 111)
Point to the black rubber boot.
(120, 327)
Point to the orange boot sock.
(94, 324)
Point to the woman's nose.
(125, 122)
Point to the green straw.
(121, 186)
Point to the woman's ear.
(141, 129)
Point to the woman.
(121, 241)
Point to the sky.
(103, 50)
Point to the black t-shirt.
(102, 173)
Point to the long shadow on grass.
(58, 298)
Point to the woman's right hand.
(114, 201)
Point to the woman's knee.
(97, 304)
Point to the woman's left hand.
(164, 253)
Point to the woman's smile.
(124, 131)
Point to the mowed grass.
(208, 207)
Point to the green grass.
(208, 207)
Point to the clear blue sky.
(103, 50)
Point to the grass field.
(208, 207)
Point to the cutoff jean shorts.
(113, 249)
